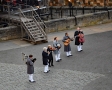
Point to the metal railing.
(66, 11)
(27, 12)
(57, 12)
(39, 20)
(33, 15)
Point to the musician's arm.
(63, 39)
(54, 44)
(34, 59)
(49, 50)
(70, 38)
(45, 55)
(76, 34)
(82, 32)
(31, 63)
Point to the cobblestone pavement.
(88, 70)
(16, 79)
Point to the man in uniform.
(30, 68)
(77, 37)
(67, 48)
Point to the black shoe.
(67, 56)
(29, 80)
(52, 65)
(49, 66)
(33, 81)
(57, 61)
(70, 55)
(48, 70)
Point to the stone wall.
(11, 32)
(80, 20)
(110, 14)
(92, 19)
(60, 24)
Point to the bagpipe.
(25, 57)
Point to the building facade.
(80, 2)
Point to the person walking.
(45, 55)
(30, 68)
(50, 57)
(67, 48)
(56, 51)
(79, 39)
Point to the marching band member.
(45, 55)
(57, 47)
(30, 68)
(79, 39)
(50, 57)
(67, 48)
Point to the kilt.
(67, 48)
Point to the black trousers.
(50, 62)
(1, 8)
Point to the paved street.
(90, 69)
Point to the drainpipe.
(75, 20)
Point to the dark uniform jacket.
(45, 58)
(50, 57)
(77, 38)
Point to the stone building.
(80, 2)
